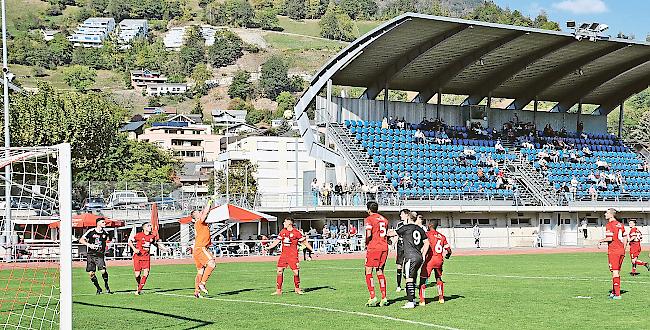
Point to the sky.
(627, 16)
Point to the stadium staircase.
(366, 170)
(537, 191)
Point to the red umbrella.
(154, 220)
(86, 220)
(229, 212)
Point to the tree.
(193, 50)
(316, 8)
(200, 75)
(60, 50)
(241, 87)
(79, 77)
(227, 48)
(295, 9)
(358, 8)
(285, 101)
(337, 25)
(241, 179)
(274, 77)
(237, 13)
(268, 20)
(641, 132)
(198, 108)
(118, 9)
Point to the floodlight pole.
(579, 114)
(5, 86)
(620, 120)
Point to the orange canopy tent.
(86, 220)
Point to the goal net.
(36, 240)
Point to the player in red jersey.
(141, 257)
(635, 237)
(439, 250)
(289, 237)
(377, 252)
(615, 238)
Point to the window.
(471, 222)
(565, 221)
(520, 222)
(592, 221)
(546, 221)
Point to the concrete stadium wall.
(358, 109)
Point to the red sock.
(617, 286)
(423, 289)
(143, 281)
(634, 269)
(279, 280)
(382, 285)
(371, 286)
(296, 281)
(641, 263)
(441, 289)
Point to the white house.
(189, 142)
(92, 32)
(228, 117)
(140, 78)
(130, 29)
(166, 88)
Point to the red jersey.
(635, 237)
(143, 242)
(616, 231)
(377, 225)
(438, 245)
(290, 240)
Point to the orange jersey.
(202, 231)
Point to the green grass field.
(483, 292)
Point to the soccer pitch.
(545, 291)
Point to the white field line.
(325, 309)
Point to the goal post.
(36, 272)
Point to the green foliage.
(356, 9)
(635, 109)
(274, 77)
(241, 179)
(30, 49)
(200, 75)
(491, 12)
(295, 9)
(147, 9)
(133, 161)
(198, 108)
(193, 50)
(316, 8)
(286, 101)
(89, 122)
(227, 48)
(241, 87)
(237, 13)
(337, 25)
(253, 116)
(268, 20)
(79, 77)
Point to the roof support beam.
(394, 69)
(625, 91)
(449, 72)
(547, 80)
(573, 95)
(495, 80)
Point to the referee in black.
(96, 239)
(404, 216)
(415, 245)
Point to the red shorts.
(376, 258)
(634, 252)
(430, 266)
(615, 261)
(141, 262)
(289, 261)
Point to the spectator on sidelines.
(593, 193)
(315, 190)
(476, 232)
(338, 194)
(583, 227)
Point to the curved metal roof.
(431, 54)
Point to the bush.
(227, 48)
(274, 77)
(241, 87)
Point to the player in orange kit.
(377, 252)
(290, 237)
(203, 258)
(616, 241)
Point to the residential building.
(152, 111)
(187, 118)
(189, 142)
(166, 88)
(175, 37)
(92, 32)
(228, 117)
(133, 129)
(140, 78)
(242, 128)
(130, 29)
(195, 178)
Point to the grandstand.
(546, 176)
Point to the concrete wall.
(357, 109)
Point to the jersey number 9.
(416, 237)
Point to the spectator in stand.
(500, 183)
(469, 153)
(573, 158)
(542, 154)
(510, 183)
(384, 123)
(338, 194)
(326, 231)
(574, 181)
(481, 175)
(620, 182)
(593, 193)
(602, 184)
(343, 229)
(572, 193)
(419, 136)
(373, 192)
(324, 194)
(586, 151)
(353, 230)
(640, 167)
(515, 119)
(554, 155)
(548, 131)
(406, 180)
(543, 164)
(462, 161)
(564, 189)
(499, 148)
(527, 145)
(392, 123)
(315, 191)
(365, 193)
(425, 124)
(602, 165)
(482, 160)
(592, 178)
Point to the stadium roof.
(427, 54)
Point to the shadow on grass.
(428, 300)
(200, 323)
(235, 292)
(173, 290)
(305, 290)
(127, 291)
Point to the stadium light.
(591, 31)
